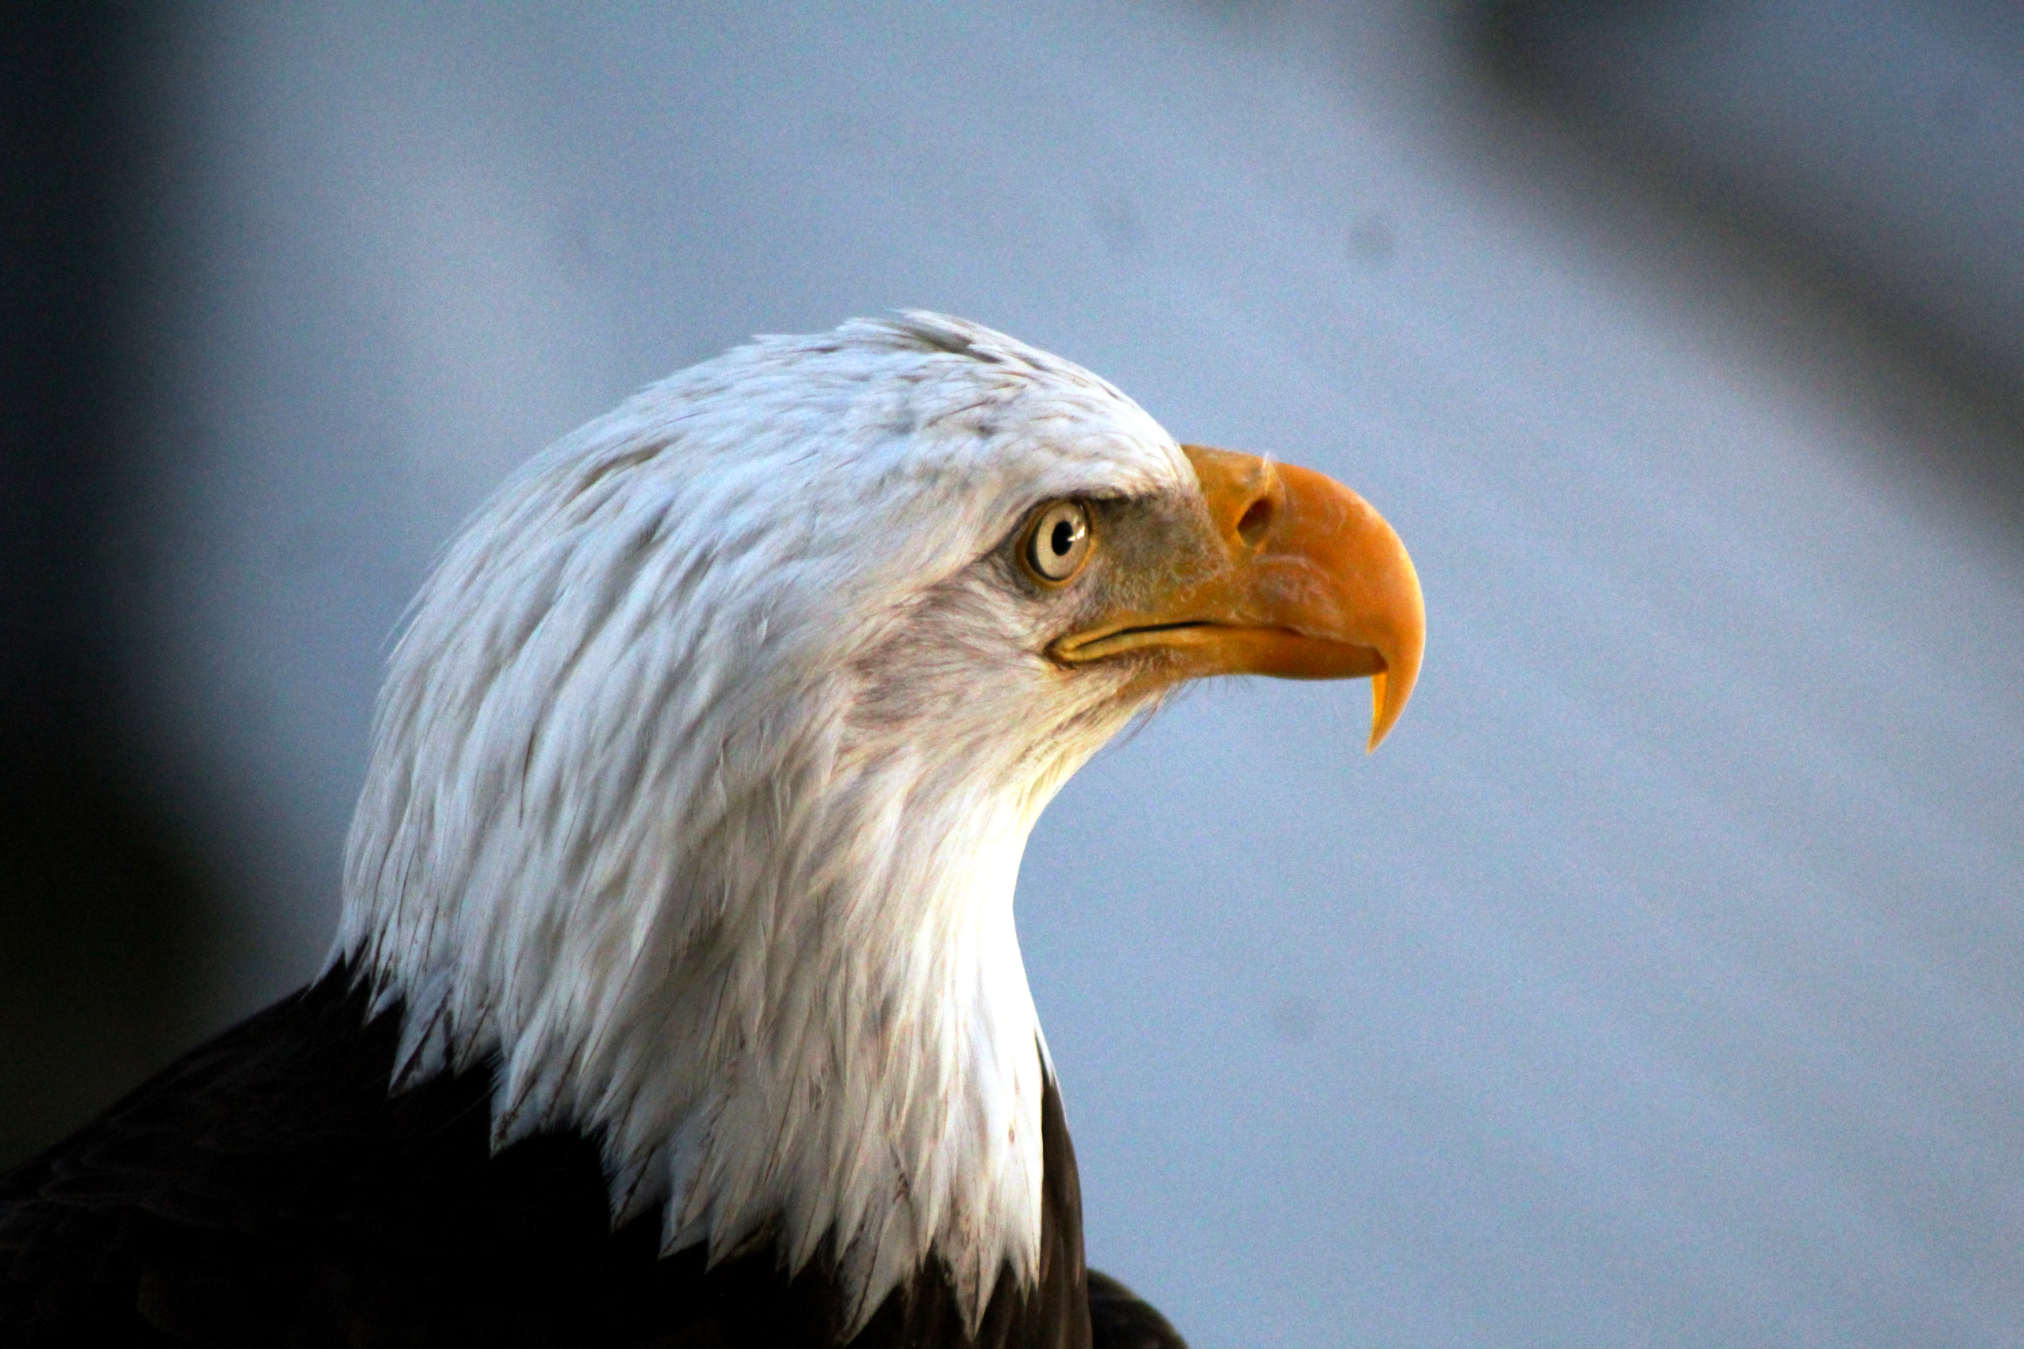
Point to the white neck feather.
(699, 789)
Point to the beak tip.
(1404, 628)
(1392, 688)
(1380, 728)
(1380, 723)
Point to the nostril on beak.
(1257, 519)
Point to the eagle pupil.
(1064, 538)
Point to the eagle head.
(703, 768)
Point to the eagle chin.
(676, 997)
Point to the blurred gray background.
(1660, 982)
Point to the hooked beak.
(1311, 583)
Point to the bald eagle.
(676, 998)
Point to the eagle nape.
(676, 998)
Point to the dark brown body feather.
(267, 1190)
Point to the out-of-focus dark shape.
(97, 917)
(1876, 145)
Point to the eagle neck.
(800, 1016)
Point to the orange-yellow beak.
(1316, 586)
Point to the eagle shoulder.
(268, 1188)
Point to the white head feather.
(701, 777)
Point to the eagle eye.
(1059, 541)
